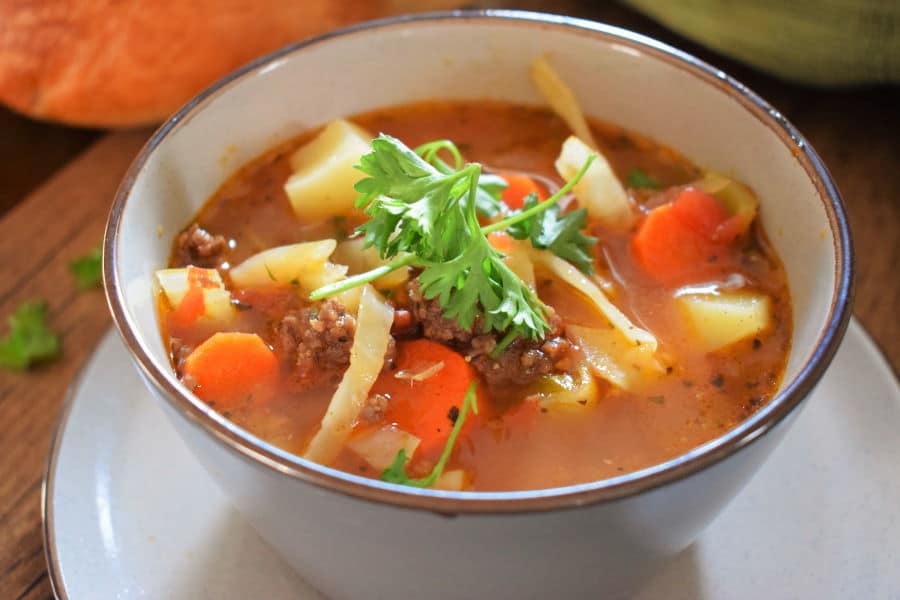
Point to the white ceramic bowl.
(355, 538)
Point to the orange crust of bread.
(120, 63)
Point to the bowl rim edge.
(760, 423)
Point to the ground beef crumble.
(522, 362)
(179, 352)
(198, 247)
(375, 408)
(430, 316)
(317, 339)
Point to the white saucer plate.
(128, 512)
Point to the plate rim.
(48, 483)
(855, 331)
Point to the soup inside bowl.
(598, 426)
(667, 311)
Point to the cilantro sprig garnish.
(487, 195)
(561, 234)
(29, 340)
(424, 213)
(396, 472)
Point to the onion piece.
(518, 259)
(429, 371)
(373, 332)
(599, 190)
(379, 446)
(583, 284)
(576, 390)
(613, 358)
(561, 99)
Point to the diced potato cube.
(599, 190)
(321, 185)
(304, 265)
(451, 481)
(379, 446)
(217, 305)
(719, 320)
(175, 284)
(360, 260)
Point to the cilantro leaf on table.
(396, 472)
(637, 178)
(29, 339)
(562, 235)
(88, 269)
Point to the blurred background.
(69, 69)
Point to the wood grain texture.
(856, 132)
(61, 220)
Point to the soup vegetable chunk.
(476, 295)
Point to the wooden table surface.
(45, 222)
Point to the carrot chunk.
(191, 308)
(518, 187)
(433, 379)
(682, 240)
(233, 369)
(501, 241)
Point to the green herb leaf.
(487, 197)
(639, 179)
(396, 472)
(88, 269)
(425, 215)
(490, 187)
(562, 235)
(478, 283)
(408, 201)
(29, 340)
(418, 209)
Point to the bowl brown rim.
(760, 423)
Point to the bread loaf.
(116, 63)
